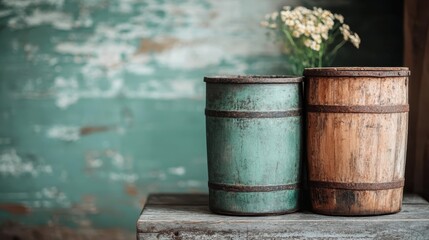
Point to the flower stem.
(334, 51)
(289, 37)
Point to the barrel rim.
(253, 79)
(357, 72)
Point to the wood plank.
(202, 213)
(174, 219)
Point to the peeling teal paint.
(251, 159)
(102, 101)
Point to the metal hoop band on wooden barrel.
(246, 114)
(358, 186)
(377, 109)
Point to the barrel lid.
(253, 79)
(357, 72)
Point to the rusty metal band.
(378, 72)
(242, 188)
(255, 79)
(358, 186)
(236, 213)
(243, 114)
(359, 109)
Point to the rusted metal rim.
(357, 72)
(235, 213)
(246, 188)
(244, 114)
(254, 79)
(358, 186)
(331, 212)
(359, 109)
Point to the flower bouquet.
(311, 38)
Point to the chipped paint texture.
(102, 101)
(157, 36)
(177, 171)
(11, 164)
(117, 90)
(65, 133)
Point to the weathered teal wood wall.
(101, 101)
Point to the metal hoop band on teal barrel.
(254, 144)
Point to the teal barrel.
(254, 143)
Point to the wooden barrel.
(357, 120)
(254, 144)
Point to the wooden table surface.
(186, 216)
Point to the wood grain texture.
(416, 56)
(173, 220)
(357, 148)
